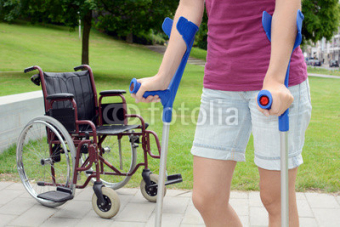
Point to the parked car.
(314, 62)
(333, 63)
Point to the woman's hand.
(154, 83)
(282, 98)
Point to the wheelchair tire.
(115, 182)
(112, 206)
(43, 165)
(150, 195)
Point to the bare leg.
(212, 180)
(270, 192)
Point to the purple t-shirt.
(238, 48)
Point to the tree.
(133, 18)
(321, 19)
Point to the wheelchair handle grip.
(29, 69)
(80, 67)
(164, 95)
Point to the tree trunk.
(87, 21)
(129, 38)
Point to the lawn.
(114, 63)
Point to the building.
(325, 50)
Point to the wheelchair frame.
(92, 140)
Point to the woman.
(240, 62)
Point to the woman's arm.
(283, 34)
(191, 10)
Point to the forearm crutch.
(265, 100)
(188, 30)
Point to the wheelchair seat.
(114, 129)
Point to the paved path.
(18, 208)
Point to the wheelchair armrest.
(112, 92)
(36, 79)
(60, 96)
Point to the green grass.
(198, 53)
(114, 63)
(317, 70)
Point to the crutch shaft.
(162, 171)
(284, 179)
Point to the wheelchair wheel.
(45, 153)
(112, 206)
(150, 195)
(125, 161)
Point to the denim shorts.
(227, 118)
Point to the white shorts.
(227, 118)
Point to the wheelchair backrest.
(77, 83)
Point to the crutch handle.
(163, 95)
(265, 99)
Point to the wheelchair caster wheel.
(150, 194)
(111, 208)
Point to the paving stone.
(308, 222)
(187, 194)
(239, 195)
(327, 217)
(244, 221)
(8, 195)
(175, 205)
(241, 206)
(92, 219)
(338, 199)
(300, 196)
(127, 224)
(35, 216)
(18, 186)
(139, 198)
(255, 200)
(258, 216)
(17, 206)
(74, 209)
(127, 191)
(168, 220)
(84, 194)
(317, 200)
(189, 225)
(57, 222)
(178, 193)
(6, 218)
(5, 184)
(192, 216)
(136, 212)
(124, 200)
(304, 209)
(26, 195)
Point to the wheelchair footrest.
(174, 179)
(61, 195)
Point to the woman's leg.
(270, 192)
(212, 180)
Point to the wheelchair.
(77, 135)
